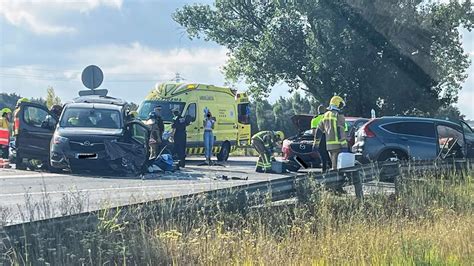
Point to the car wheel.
(224, 153)
(388, 173)
(292, 166)
(392, 156)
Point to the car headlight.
(59, 140)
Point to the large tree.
(391, 55)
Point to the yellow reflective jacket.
(333, 125)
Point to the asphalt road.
(29, 195)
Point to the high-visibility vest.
(267, 137)
(4, 132)
(335, 138)
(316, 120)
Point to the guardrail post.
(357, 181)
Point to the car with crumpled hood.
(301, 145)
(111, 139)
(98, 133)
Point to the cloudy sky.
(136, 43)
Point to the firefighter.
(155, 135)
(325, 159)
(5, 131)
(333, 126)
(16, 120)
(264, 142)
(179, 136)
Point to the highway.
(29, 195)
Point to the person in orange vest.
(5, 131)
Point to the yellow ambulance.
(231, 110)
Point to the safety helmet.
(337, 101)
(280, 135)
(5, 111)
(22, 100)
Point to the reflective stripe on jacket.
(333, 125)
(267, 137)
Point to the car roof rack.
(99, 99)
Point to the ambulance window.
(191, 113)
(244, 113)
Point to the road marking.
(33, 175)
(233, 182)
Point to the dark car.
(301, 145)
(72, 145)
(403, 138)
(34, 126)
(97, 133)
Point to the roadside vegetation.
(429, 221)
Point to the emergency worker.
(333, 126)
(179, 136)
(264, 143)
(325, 159)
(155, 135)
(5, 131)
(159, 121)
(16, 120)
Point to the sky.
(136, 44)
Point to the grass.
(430, 221)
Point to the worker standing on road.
(264, 143)
(5, 131)
(155, 135)
(208, 125)
(179, 136)
(333, 126)
(325, 159)
(159, 122)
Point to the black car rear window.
(421, 129)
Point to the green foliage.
(277, 116)
(51, 98)
(8, 100)
(392, 56)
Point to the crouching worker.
(264, 143)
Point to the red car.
(301, 145)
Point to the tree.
(391, 56)
(51, 98)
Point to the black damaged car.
(93, 133)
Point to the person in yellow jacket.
(321, 146)
(5, 131)
(264, 142)
(333, 126)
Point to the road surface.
(29, 195)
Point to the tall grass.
(429, 221)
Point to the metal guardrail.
(240, 197)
